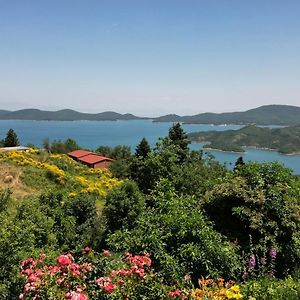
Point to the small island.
(285, 140)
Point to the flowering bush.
(28, 158)
(65, 171)
(109, 276)
(217, 290)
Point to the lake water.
(92, 134)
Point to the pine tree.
(239, 163)
(179, 137)
(143, 149)
(11, 139)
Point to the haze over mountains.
(263, 115)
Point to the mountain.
(3, 112)
(63, 115)
(263, 115)
(285, 140)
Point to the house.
(90, 159)
(95, 161)
(79, 153)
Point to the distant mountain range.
(62, 115)
(264, 115)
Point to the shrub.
(123, 206)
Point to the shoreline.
(252, 147)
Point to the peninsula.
(285, 140)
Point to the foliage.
(194, 217)
(260, 210)
(142, 149)
(122, 157)
(272, 289)
(216, 289)
(176, 232)
(179, 138)
(109, 276)
(49, 171)
(123, 206)
(11, 139)
(92, 276)
(117, 152)
(61, 147)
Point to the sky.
(149, 57)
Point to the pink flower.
(109, 287)
(86, 250)
(64, 260)
(122, 272)
(76, 296)
(28, 263)
(32, 278)
(175, 293)
(106, 253)
(273, 253)
(75, 269)
(54, 270)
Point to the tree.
(180, 139)
(47, 145)
(11, 139)
(239, 163)
(259, 209)
(143, 149)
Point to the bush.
(176, 232)
(272, 289)
(123, 206)
(259, 208)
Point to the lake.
(92, 134)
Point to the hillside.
(264, 115)
(285, 140)
(175, 225)
(36, 172)
(63, 115)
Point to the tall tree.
(179, 138)
(142, 149)
(239, 163)
(11, 139)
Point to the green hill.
(63, 115)
(264, 115)
(285, 140)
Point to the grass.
(35, 172)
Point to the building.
(95, 161)
(90, 159)
(79, 153)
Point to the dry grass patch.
(10, 178)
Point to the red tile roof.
(79, 153)
(93, 158)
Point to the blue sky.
(149, 57)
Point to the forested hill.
(285, 140)
(264, 115)
(63, 115)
